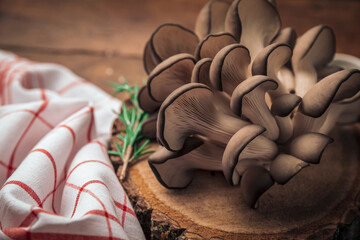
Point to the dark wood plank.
(124, 26)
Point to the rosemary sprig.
(132, 118)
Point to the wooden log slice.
(309, 206)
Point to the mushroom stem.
(248, 99)
(176, 169)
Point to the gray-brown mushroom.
(255, 22)
(176, 169)
(167, 40)
(148, 127)
(246, 148)
(146, 103)
(212, 44)
(271, 62)
(230, 67)
(169, 75)
(194, 110)
(285, 166)
(319, 109)
(248, 99)
(211, 18)
(309, 147)
(313, 50)
(254, 182)
(282, 108)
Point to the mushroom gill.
(192, 110)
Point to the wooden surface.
(103, 40)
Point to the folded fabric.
(56, 178)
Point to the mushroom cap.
(176, 169)
(335, 87)
(260, 23)
(264, 83)
(283, 105)
(169, 75)
(170, 39)
(211, 18)
(327, 70)
(212, 44)
(316, 48)
(145, 101)
(232, 20)
(149, 59)
(285, 166)
(287, 36)
(148, 127)
(269, 60)
(313, 50)
(255, 181)
(229, 67)
(200, 72)
(309, 147)
(248, 100)
(235, 146)
(350, 113)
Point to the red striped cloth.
(56, 179)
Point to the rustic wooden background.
(102, 40)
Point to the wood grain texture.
(71, 32)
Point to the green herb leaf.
(132, 118)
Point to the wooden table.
(104, 40)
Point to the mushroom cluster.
(243, 96)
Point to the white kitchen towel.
(56, 179)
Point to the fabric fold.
(55, 175)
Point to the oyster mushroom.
(247, 147)
(320, 108)
(211, 18)
(148, 127)
(169, 75)
(350, 113)
(200, 72)
(194, 110)
(270, 61)
(176, 169)
(230, 67)
(254, 182)
(255, 22)
(212, 44)
(281, 108)
(313, 50)
(167, 40)
(309, 147)
(146, 103)
(285, 166)
(287, 36)
(248, 99)
(149, 59)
